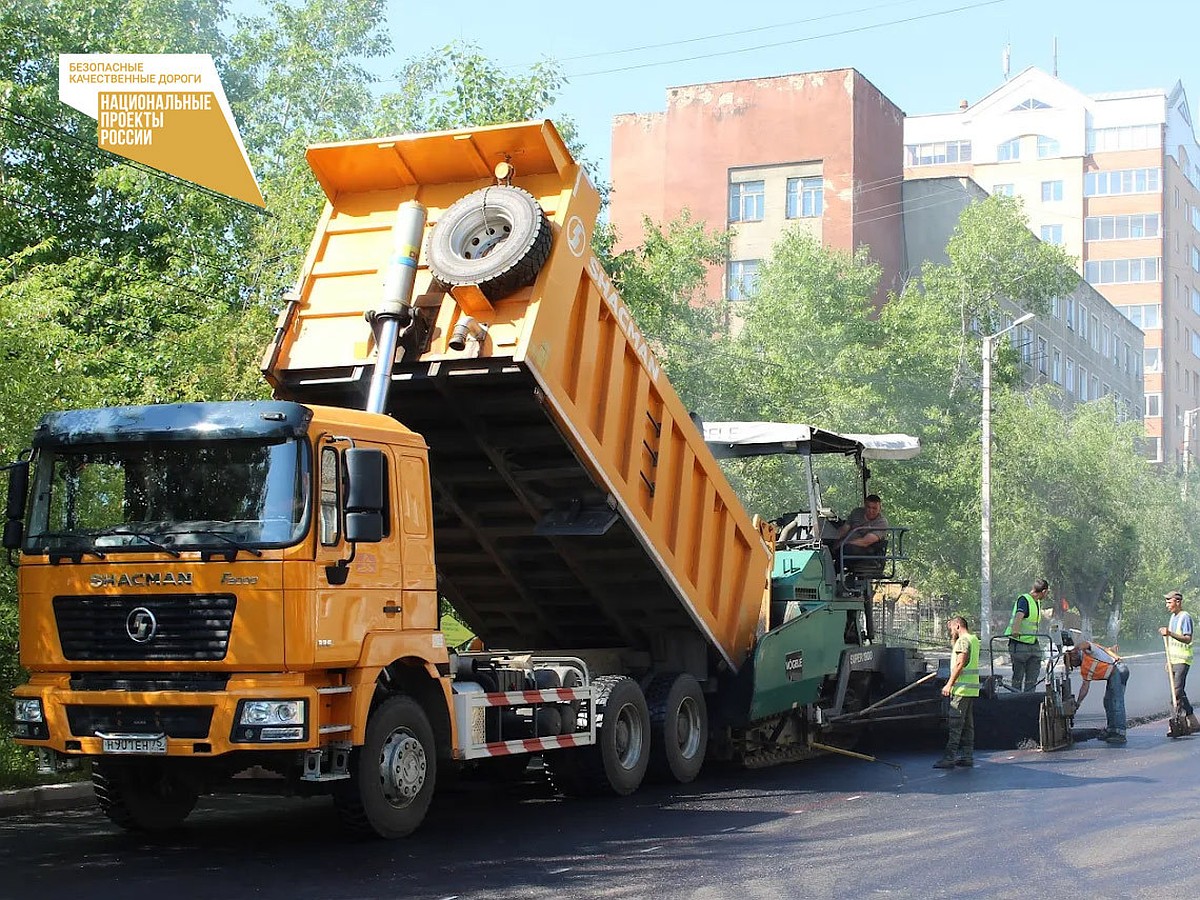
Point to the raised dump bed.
(576, 503)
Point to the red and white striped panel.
(524, 698)
(533, 745)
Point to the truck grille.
(173, 721)
(149, 681)
(184, 627)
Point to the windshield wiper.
(75, 554)
(141, 535)
(233, 542)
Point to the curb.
(45, 797)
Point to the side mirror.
(14, 513)
(364, 527)
(364, 474)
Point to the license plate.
(133, 743)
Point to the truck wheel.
(678, 728)
(393, 774)
(143, 798)
(616, 763)
(497, 238)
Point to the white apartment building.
(1113, 178)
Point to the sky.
(924, 55)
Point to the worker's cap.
(1174, 595)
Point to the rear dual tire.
(616, 764)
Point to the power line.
(813, 37)
(723, 34)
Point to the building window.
(1043, 364)
(1083, 322)
(1124, 137)
(1056, 307)
(1031, 103)
(746, 201)
(1120, 228)
(1196, 344)
(1046, 147)
(1052, 234)
(937, 154)
(1196, 259)
(1121, 181)
(1195, 301)
(1105, 342)
(1083, 383)
(1154, 404)
(1070, 376)
(805, 197)
(1145, 316)
(741, 279)
(1094, 332)
(1196, 217)
(1122, 271)
(1152, 359)
(1003, 190)
(1052, 191)
(1026, 345)
(1069, 316)
(1056, 369)
(1009, 151)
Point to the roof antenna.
(1055, 71)
(1006, 59)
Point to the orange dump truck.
(245, 595)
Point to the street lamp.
(1189, 424)
(985, 584)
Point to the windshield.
(173, 495)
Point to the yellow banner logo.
(167, 111)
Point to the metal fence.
(908, 619)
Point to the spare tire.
(497, 238)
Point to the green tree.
(1075, 495)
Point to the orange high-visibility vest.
(1094, 668)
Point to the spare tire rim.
(479, 233)
(402, 767)
(629, 736)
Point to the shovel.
(1177, 725)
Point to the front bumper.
(196, 723)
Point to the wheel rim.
(402, 767)
(630, 736)
(481, 232)
(687, 728)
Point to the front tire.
(392, 776)
(144, 798)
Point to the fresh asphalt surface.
(1120, 821)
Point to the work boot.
(1192, 722)
(946, 762)
(967, 762)
(1115, 738)
(1102, 735)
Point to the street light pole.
(1189, 423)
(985, 482)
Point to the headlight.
(272, 712)
(29, 710)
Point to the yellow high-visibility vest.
(967, 683)
(1029, 625)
